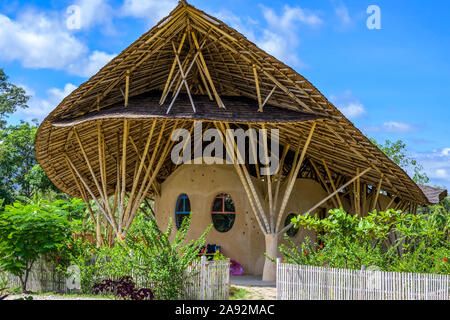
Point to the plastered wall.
(245, 241)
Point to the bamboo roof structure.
(192, 66)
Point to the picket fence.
(298, 282)
(210, 280)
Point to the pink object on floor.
(236, 268)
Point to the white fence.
(210, 281)
(298, 282)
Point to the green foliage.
(28, 232)
(86, 257)
(3, 285)
(238, 293)
(162, 263)
(11, 98)
(148, 254)
(392, 240)
(397, 152)
(19, 172)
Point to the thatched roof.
(233, 72)
(434, 195)
(146, 106)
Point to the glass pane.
(187, 205)
(229, 205)
(223, 222)
(179, 219)
(292, 232)
(217, 205)
(180, 202)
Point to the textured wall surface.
(245, 241)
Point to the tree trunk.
(270, 272)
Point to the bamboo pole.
(316, 170)
(378, 190)
(327, 198)
(230, 140)
(391, 202)
(294, 176)
(111, 221)
(147, 175)
(127, 87)
(165, 152)
(255, 155)
(258, 90)
(332, 183)
(221, 128)
(172, 69)
(269, 180)
(124, 170)
(91, 170)
(278, 178)
(358, 194)
(139, 171)
(208, 76)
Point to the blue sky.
(392, 83)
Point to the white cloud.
(348, 104)
(288, 20)
(39, 40)
(392, 127)
(89, 65)
(243, 25)
(343, 15)
(441, 173)
(437, 165)
(153, 10)
(94, 12)
(41, 107)
(279, 36)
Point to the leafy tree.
(397, 152)
(11, 98)
(28, 232)
(391, 240)
(19, 172)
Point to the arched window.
(292, 232)
(182, 209)
(223, 213)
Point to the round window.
(223, 213)
(182, 209)
(292, 232)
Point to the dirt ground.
(255, 293)
(259, 293)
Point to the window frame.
(182, 197)
(223, 197)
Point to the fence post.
(202, 277)
(277, 279)
(361, 281)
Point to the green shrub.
(391, 240)
(160, 262)
(28, 232)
